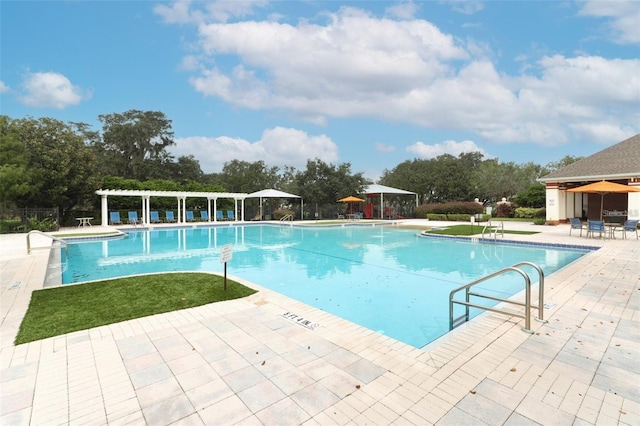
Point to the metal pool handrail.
(453, 322)
(62, 242)
(489, 227)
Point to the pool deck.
(242, 362)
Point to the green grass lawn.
(468, 229)
(61, 310)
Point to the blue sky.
(372, 83)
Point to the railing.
(454, 322)
(287, 217)
(55, 240)
(489, 227)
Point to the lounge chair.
(114, 218)
(168, 216)
(630, 226)
(133, 218)
(231, 215)
(219, 215)
(576, 223)
(154, 217)
(594, 226)
(204, 215)
(189, 216)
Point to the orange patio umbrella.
(604, 187)
(351, 199)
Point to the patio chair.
(189, 216)
(133, 218)
(219, 215)
(630, 226)
(576, 223)
(594, 226)
(154, 217)
(168, 216)
(231, 215)
(204, 215)
(114, 218)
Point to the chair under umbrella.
(351, 199)
(604, 187)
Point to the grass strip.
(468, 229)
(65, 309)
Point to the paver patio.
(242, 362)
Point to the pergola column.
(146, 219)
(184, 209)
(104, 213)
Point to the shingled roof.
(620, 161)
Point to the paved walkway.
(241, 362)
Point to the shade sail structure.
(274, 193)
(604, 187)
(351, 199)
(271, 193)
(376, 190)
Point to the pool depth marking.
(300, 320)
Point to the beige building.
(619, 163)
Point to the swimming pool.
(386, 279)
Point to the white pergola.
(181, 197)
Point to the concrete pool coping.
(245, 362)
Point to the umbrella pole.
(601, 204)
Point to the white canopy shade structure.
(381, 189)
(274, 193)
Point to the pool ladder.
(490, 229)
(287, 218)
(54, 239)
(454, 322)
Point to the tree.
(563, 162)
(242, 176)
(534, 196)
(323, 183)
(187, 168)
(14, 175)
(133, 138)
(61, 168)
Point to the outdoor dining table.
(611, 227)
(83, 221)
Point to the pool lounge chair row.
(601, 228)
(114, 217)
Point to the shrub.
(505, 210)
(527, 212)
(539, 221)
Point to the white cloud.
(4, 88)
(181, 12)
(50, 90)
(623, 18)
(402, 10)
(382, 147)
(424, 151)
(408, 71)
(277, 147)
(467, 7)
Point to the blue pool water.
(386, 279)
